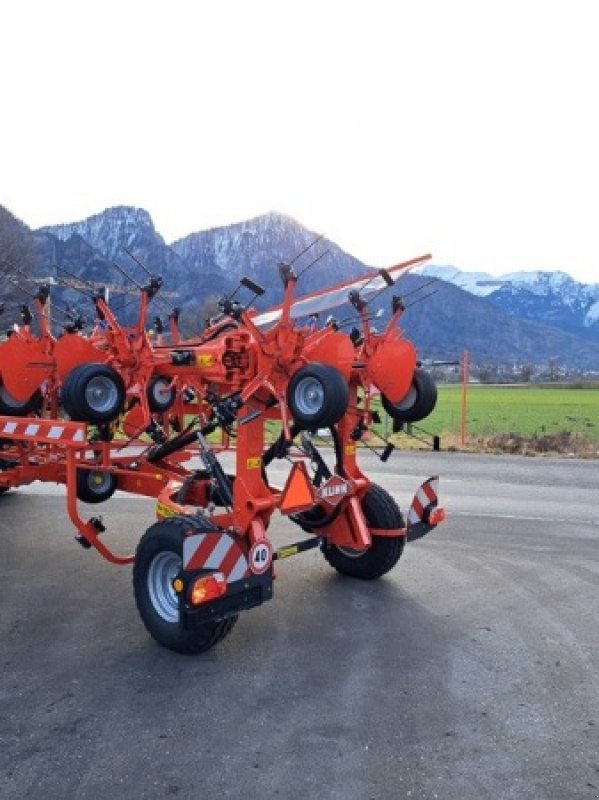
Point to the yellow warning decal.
(163, 510)
(253, 463)
(350, 450)
(204, 359)
(285, 552)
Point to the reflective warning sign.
(260, 557)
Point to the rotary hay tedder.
(74, 409)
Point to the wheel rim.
(99, 482)
(163, 570)
(101, 394)
(162, 392)
(309, 396)
(408, 401)
(349, 553)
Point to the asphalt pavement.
(470, 671)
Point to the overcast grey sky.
(468, 129)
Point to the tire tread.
(381, 511)
(168, 534)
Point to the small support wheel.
(418, 403)
(317, 396)
(93, 393)
(381, 511)
(95, 486)
(158, 560)
(161, 395)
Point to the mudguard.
(248, 573)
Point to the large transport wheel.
(12, 407)
(381, 511)
(317, 396)
(95, 486)
(157, 561)
(418, 403)
(161, 395)
(93, 393)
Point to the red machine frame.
(234, 377)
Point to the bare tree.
(209, 309)
(192, 321)
(553, 370)
(18, 255)
(487, 373)
(526, 372)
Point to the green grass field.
(558, 418)
(525, 410)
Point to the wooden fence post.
(465, 377)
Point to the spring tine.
(305, 250)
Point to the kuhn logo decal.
(333, 490)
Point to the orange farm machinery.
(122, 409)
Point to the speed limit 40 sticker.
(260, 557)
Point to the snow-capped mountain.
(110, 231)
(479, 283)
(549, 297)
(256, 247)
(205, 263)
(96, 242)
(514, 319)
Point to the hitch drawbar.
(225, 582)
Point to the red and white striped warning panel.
(41, 430)
(425, 497)
(215, 550)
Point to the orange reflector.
(297, 494)
(436, 516)
(206, 588)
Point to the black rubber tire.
(95, 486)
(418, 403)
(74, 393)
(334, 390)
(156, 400)
(11, 407)
(166, 537)
(381, 511)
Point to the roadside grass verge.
(528, 419)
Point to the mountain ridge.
(538, 296)
(210, 262)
